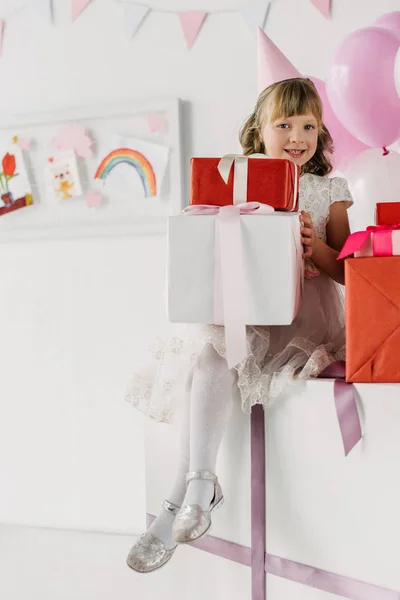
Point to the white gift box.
(330, 512)
(272, 265)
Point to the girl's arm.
(337, 231)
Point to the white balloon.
(397, 72)
(372, 178)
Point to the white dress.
(276, 355)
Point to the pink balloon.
(361, 87)
(390, 21)
(346, 145)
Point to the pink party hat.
(273, 65)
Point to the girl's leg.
(214, 388)
(155, 547)
(162, 526)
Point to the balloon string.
(385, 151)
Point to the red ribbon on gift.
(382, 241)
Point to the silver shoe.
(149, 553)
(192, 522)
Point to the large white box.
(272, 257)
(325, 510)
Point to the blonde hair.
(286, 99)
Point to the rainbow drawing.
(135, 159)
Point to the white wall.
(75, 316)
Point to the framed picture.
(98, 170)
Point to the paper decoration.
(15, 189)
(78, 6)
(44, 8)
(156, 123)
(324, 7)
(255, 14)
(133, 168)
(272, 63)
(191, 23)
(23, 142)
(73, 137)
(1, 35)
(134, 15)
(62, 177)
(93, 199)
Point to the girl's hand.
(308, 235)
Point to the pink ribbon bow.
(382, 241)
(229, 254)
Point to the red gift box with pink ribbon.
(235, 179)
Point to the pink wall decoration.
(156, 123)
(324, 7)
(74, 137)
(78, 6)
(191, 23)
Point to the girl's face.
(294, 137)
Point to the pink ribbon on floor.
(345, 405)
(382, 241)
(229, 253)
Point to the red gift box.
(373, 320)
(387, 213)
(268, 181)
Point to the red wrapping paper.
(387, 213)
(270, 181)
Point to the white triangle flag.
(134, 15)
(44, 8)
(255, 14)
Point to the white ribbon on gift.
(241, 174)
(229, 254)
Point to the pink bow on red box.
(376, 240)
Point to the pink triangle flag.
(324, 7)
(191, 23)
(273, 65)
(1, 35)
(78, 6)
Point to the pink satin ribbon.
(345, 404)
(229, 254)
(382, 241)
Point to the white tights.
(207, 409)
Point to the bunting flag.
(324, 7)
(134, 15)
(191, 23)
(255, 14)
(78, 6)
(1, 35)
(44, 8)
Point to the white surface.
(44, 564)
(324, 510)
(271, 261)
(75, 318)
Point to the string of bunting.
(254, 13)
